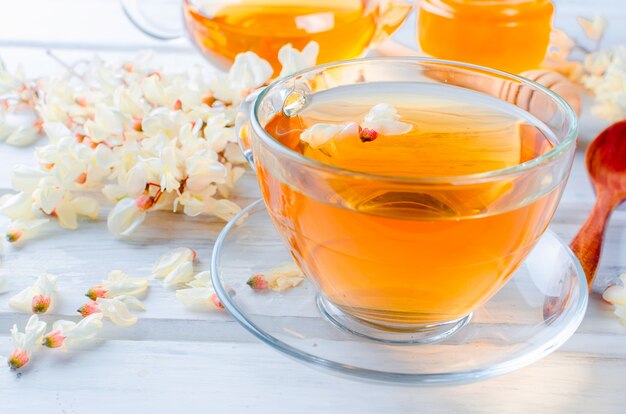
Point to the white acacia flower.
(282, 277)
(200, 294)
(106, 124)
(22, 136)
(171, 168)
(593, 28)
(69, 335)
(112, 308)
(17, 206)
(384, 119)
(39, 298)
(126, 216)
(175, 267)
(321, 134)
(26, 343)
(196, 203)
(118, 284)
(294, 61)
(20, 230)
(247, 73)
(203, 170)
(25, 178)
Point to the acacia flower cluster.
(147, 139)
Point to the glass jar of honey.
(510, 35)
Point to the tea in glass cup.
(408, 199)
(221, 29)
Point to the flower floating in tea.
(382, 119)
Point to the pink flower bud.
(144, 202)
(258, 282)
(89, 308)
(53, 340)
(41, 304)
(96, 292)
(18, 359)
(216, 301)
(367, 134)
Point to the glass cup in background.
(221, 29)
(414, 273)
(509, 35)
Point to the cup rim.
(568, 140)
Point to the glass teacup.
(223, 28)
(403, 250)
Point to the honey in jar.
(510, 35)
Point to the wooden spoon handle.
(587, 244)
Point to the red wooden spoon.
(606, 163)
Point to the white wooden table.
(175, 360)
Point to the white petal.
(321, 134)
(202, 279)
(171, 260)
(183, 273)
(23, 301)
(293, 61)
(17, 206)
(196, 298)
(249, 71)
(86, 206)
(66, 213)
(226, 209)
(116, 311)
(56, 130)
(383, 118)
(125, 217)
(131, 302)
(119, 283)
(48, 195)
(25, 178)
(34, 331)
(23, 136)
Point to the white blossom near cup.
(200, 294)
(68, 335)
(118, 283)
(175, 267)
(26, 343)
(38, 298)
(248, 73)
(112, 308)
(294, 60)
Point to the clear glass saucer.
(535, 312)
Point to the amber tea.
(344, 29)
(398, 253)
